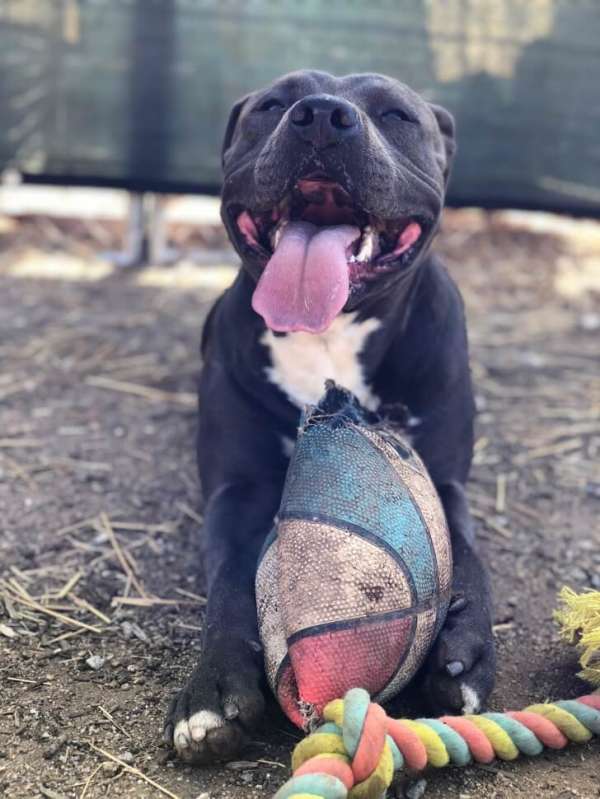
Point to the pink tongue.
(305, 283)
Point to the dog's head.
(332, 191)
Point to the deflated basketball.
(354, 582)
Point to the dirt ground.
(100, 603)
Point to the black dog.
(332, 194)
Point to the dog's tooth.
(276, 234)
(367, 245)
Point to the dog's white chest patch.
(302, 362)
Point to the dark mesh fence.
(135, 93)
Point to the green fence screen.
(135, 93)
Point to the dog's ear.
(234, 116)
(447, 128)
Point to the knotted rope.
(355, 752)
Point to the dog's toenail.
(231, 711)
(181, 741)
(454, 668)
(457, 603)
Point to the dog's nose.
(323, 120)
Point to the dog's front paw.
(208, 720)
(460, 670)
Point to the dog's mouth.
(317, 248)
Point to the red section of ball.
(331, 662)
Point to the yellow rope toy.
(355, 753)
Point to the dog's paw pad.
(209, 720)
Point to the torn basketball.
(353, 584)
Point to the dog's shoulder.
(231, 326)
(208, 328)
(438, 295)
(432, 348)
(437, 318)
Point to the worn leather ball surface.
(354, 582)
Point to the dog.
(332, 193)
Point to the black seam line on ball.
(349, 527)
(287, 662)
(375, 618)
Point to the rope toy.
(355, 753)
(358, 749)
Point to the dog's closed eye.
(270, 104)
(399, 113)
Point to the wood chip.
(65, 636)
(20, 443)
(20, 471)
(85, 605)
(184, 398)
(115, 724)
(545, 452)
(530, 513)
(151, 601)
(73, 528)
(121, 557)
(89, 781)
(185, 508)
(135, 771)
(7, 631)
(480, 444)
(241, 765)
(501, 493)
(164, 527)
(58, 616)
(506, 625)
(497, 528)
(48, 793)
(69, 585)
(200, 600)
(16, 586)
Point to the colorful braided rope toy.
(356, 751)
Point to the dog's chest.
(302, 362)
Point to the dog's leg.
(459, 672)
(223, 697)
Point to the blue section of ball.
(339, 475)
